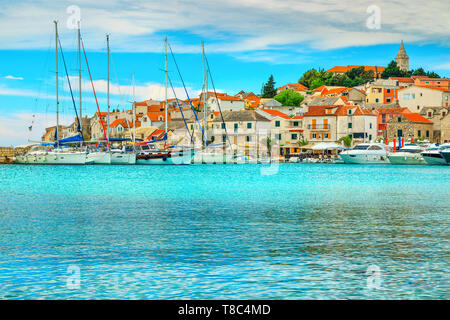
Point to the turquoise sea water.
(300, 231)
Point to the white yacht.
(409, 154)
(445, 152)
(433, 156)
(366, 153)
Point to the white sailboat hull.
(99, 157)
(53, 158)
(123, 158)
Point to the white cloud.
(13, 77)
(14, 129)
(144, 91)
(227, 26)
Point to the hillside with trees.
(314, 78)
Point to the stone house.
(409, 126)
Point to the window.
(314, 135)
(370, 125)
(314, 121)
(223, 125)
(388, 100)
(278, 136)
(377, 100)
(192, 127)
(428, 134)
(388, 90)
(350, 110)
(224, 138)
(413, 96)
(418, 107)
(419, 133)
(399, 133)
(370, 137)
(406, 96)
(236, 126)
(295, 123)
(277, 123)
(350, 125)
(326, 135)
(399, 119)
(249, 125)
(294, 136)
(249, 138)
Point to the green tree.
(309, 76)
(269, 90)
(392, 70)
(347, 141)
(316, 83)
(289, 97)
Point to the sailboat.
(124, 156)
(61, 153)
(103, 156)
(149, 153)
(210, 154)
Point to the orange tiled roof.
(392, 110)
(415, 117)
(341, 110)
(319, 89)
(159, 133)
(276, 113)
(158, 115)
(402, 79)
(434, 88)
(343, 69)
(295, 86)
(228, 98)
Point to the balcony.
(318, 127)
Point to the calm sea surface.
(298, 231)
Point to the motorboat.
(366, 153)
(433, 155)
(151, 154)
(410, 154)
(445, 152)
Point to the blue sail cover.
(76, 138)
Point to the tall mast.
(57, 84)
(205, 96)
(79, 72)
(107, 94)
(134, 113)
(165, 76)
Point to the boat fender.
(164, 159)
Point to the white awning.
(326, 146)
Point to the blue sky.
(246, 41)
